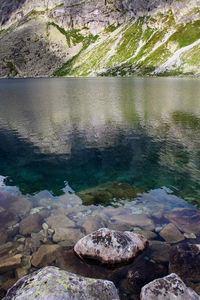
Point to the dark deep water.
(90, 131)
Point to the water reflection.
(90, 131)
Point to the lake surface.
(95, 130)
(130, 150)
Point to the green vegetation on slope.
(73, 37)
(140, 47)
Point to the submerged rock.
(11, 208)
(45, 255)
(55, 284)
(3, 236)
(128, 221)
(69, 235)
(187, 220)
(9, 263)
(170, 287)
(185, 261)
(30, 224)
(110, 246)
(159, 251)
(108, 192)
(171, 234)
(5, 248)
(57, 221)
(142, 272)
(149, 235)
(94, 223)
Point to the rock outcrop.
(99, 37)
(110, 246)
(55, 284)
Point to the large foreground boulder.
(170, 287)
(52, 283)
(110, 246)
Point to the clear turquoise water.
(90, 131)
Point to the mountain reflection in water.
(90, 131)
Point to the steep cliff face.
(99, 37)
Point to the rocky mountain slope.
(99, 37)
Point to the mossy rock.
(110, 192)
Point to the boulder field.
(107, 247)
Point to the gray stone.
(170, 287)
(109, 246)
(51, 283)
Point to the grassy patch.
(122, 71)
(111, 28)
(73, 37)
(35, 13)
(186, 34)
(128, 43)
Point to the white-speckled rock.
(110, 246)
(170, 287)
(51, 283)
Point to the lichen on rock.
(110, 246)
(56, 284)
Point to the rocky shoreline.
(107, 247)
(40, 231)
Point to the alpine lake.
(79, 154)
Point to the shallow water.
(90, 131)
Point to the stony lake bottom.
(80, 154)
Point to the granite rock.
(170, 287)
(110, 247)
(55, 284)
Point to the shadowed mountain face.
(99, 38)
(8, 8)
